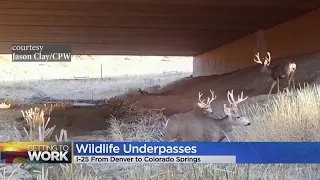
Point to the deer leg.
(289, 82)
(272, 86)
(293, 83)
(278, 85)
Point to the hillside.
(179, 97)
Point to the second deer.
(280, 71)
(203, 126)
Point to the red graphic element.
(10, 156)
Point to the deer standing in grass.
(203, 127)
(280, 71)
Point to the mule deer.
(205, 127)
(280, 71)
(143, 92)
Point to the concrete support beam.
(295, 37)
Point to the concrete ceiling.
(141, 27)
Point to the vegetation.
(290, 116)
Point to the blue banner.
(245, 152)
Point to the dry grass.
(5, 106)
(56, 107)
(289, 117)
(131, 112)
(34, 117)
(37, 126)
(131, 122)
(9, 105)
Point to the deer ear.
(226, 110)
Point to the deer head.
(205, 107)
(266, 63)
(292, 66)
(232, 110)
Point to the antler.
(201, 101)
(258, 59)
(213, 97)
(232, 101)
(267, 60)
(209, 100)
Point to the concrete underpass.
(222, 36)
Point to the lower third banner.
(191, 152)
(161, 152)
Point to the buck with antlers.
(204, 127)
(280, 71)
(202, 108)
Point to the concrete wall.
(295, 37)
